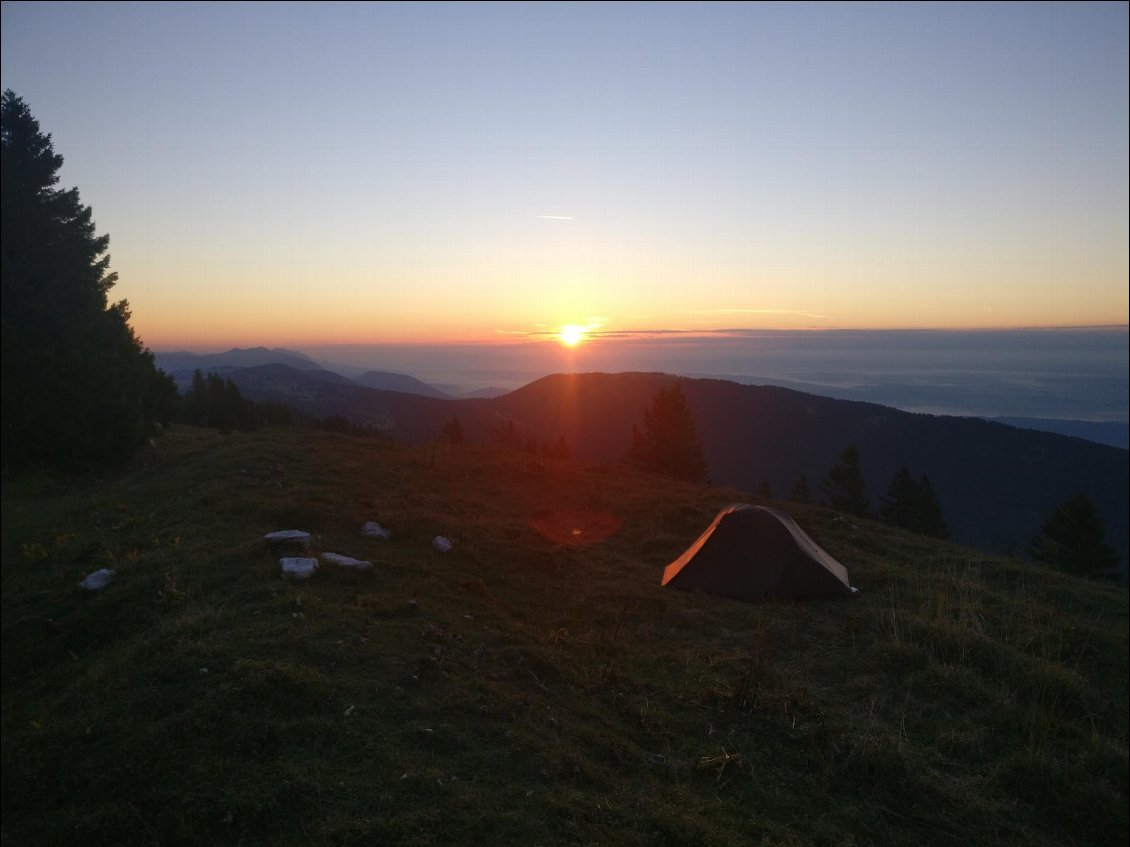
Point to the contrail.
(554, 217)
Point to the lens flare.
(572, 334)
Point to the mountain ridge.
(387, 381)
(995, 483)
(1111, 433)
(182, 365)
(527, 686)
(1097, 429)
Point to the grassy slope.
(520, 691)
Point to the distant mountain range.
(996, 483)
(181, 366)
(180, 363)
(1114, 433)
(385, 381)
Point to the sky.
(313, 174)
(1061, 374)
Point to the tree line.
(667, 443)
(215, 402)
(1071, 539)
(80, 390)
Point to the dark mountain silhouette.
(237, 357)
(489, 392)
(409, 417)
(995, 483)
(182, 365)
(385, 381)
(1114, 433)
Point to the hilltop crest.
(525, 687)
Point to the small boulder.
(346, 561)
(441, 544)
(298, 568)
(98, 580)
(288, 538)
(371, 529)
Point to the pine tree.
(912, 504)
(800, 492)
(79, 388)
(668, 443)
(452, 432)
(1073, 539)
(194, 409)
(930, 521)
(898, 503)
(844, 486)
(216, 402)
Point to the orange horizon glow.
(572, 334)
(505, 196)
(597, 290)
(224, 336)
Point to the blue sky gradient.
(365, 173)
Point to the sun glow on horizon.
(572, 334)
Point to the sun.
(572, 334)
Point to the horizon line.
(521, 337)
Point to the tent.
(753, 552)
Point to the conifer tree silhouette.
(912, 504)
(668, 443)
(1073, 539)
(844, 487)
(79, 388)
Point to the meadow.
(530, 686)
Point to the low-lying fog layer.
(1074, 374)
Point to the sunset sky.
(293, 174)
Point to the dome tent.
(753, 553)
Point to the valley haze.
(1041, 378)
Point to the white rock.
(298, 568)
(289, 536)
(346, 561)
(441, 544)
(371, 529)
(98, 580)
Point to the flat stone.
(298, 568)
(295, 537)
(98, 580)
(371, 529)
(441, 544)
(346, 561)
